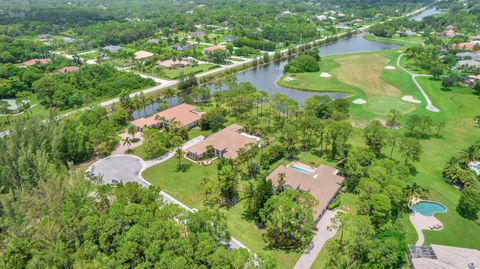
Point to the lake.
(264, 77)
(426, 13)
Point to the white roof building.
(443, 257)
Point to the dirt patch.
(364, 72)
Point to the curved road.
(414, 76)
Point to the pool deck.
(421, 222)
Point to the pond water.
(264, 77)
(426, 13)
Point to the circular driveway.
(123, 168)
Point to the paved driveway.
(319, 239)
(124, 168)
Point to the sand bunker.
(389, 67)
(289, 79)
(359, 101)
(325, 75)
(409, 98)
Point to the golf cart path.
(414, 76)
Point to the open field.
(176, 73)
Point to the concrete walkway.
(421, 222)
(121, 148)
(319, 239)
(171, 153)
(414, 76)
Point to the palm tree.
(344, 262)
(127, 141)
(132, 130)
(470, 154)
(414, 190)
(179, 155)
(250, 198)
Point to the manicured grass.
(363, 76)
(400, 40)
(458, 107)
(176, 73)
(139, 151)
(184, 186)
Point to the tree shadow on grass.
(184, 167)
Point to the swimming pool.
(300, 169)
(428, 208)
(476, 168)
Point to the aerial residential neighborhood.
(240, 134)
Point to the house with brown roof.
(142, 55)
(449, 34)
(182, 47)
(322, 182)
(35, 61)
(222, 144)
(68, 69)
(184, 115)
(213, 48)
(172, 64)
(469, 46)
(475, 38)
(357, 21)
(196, 34)
(44, 37)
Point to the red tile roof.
(322, 182)
(36, 61)
(184, 114)
(215, 47)
(229, 139)
(68, 69)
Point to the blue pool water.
(300, 169)
(427, 208)
(476, 168)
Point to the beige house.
(68, 69)
(224, 143)
(213, 48)
(321, 182)
(172, 64)
(142, 55)
(184, 115)
(36, 61)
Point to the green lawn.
(176, 73)
(458, 107)
(185, 186)
(139, 151)
(400, 40)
